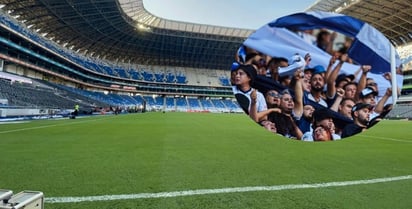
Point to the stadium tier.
(69, 78)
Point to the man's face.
(369, 99)
(308, 111)
(346, 108)
(363, 116)
(350, 91)
(317, 82)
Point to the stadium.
(156, 123)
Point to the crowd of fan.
(316, 103)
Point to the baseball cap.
(318, 69)
(359, 106)
(367, 91)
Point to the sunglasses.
(372, 84)
(319, 129)
(272, 94)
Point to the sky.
(245, 14)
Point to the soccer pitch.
(200, 160)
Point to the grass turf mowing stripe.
(222, 190)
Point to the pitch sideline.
(222, 190)
(48, 126)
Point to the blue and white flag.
(370, 47)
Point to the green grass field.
(168, 153)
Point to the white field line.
(47, 126)
(389, 139)
(221, 191)
(13, 122)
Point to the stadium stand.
(401, 111)
(135, 74)
(170, 78)
(207, 105)
(170, 104)
(194, 104)
(219, 105)
(182, 104)
(42, 96)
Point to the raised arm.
(331, 89)
(253, 106)
(330, 65)
(298, 109)
(380, 105)
(339, 97)
(362, 80)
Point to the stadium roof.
(102, 29)
(136, 11)
(123, 31)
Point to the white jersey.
(243, 98)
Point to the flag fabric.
(346, 25)
(370, 47)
